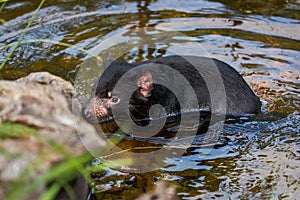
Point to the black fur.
(240, 98)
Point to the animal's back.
(206, 76)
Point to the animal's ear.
(145, 77)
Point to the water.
(260, 39)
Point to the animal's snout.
(89, 111)
(89, 114)
(95, 110)
(85, 112)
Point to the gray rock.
(44, 102)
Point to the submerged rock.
(44, 103)
(163, 191)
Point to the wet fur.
(240, 98)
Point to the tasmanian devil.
(168, 87)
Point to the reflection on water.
(260, 39)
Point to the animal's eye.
(115, 99)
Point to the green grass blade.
(62, 173)
(46, 41)
(51, 192)
(16, 130)
(23, 33)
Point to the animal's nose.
(85, 112)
